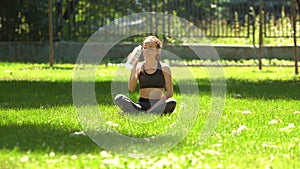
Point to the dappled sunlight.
(261, 119)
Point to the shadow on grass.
(46, 139)
(35, 94)
(267, 89)
(26, 94)
(35, 137)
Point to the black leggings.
(143, 104)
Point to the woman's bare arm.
(168, 80)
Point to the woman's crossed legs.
(148, 105)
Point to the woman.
(155, 79)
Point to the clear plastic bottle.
(135, 54)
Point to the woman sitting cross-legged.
(155, 80)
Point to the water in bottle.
(133, 58)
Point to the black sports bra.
(154, 80)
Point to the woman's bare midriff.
(151, 93)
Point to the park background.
(257, 44)
(267, 29)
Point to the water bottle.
(134, 56)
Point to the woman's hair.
(158, 43)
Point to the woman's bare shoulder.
(165, 67)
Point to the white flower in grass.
(207, 166)
(92, 156)
(51, 154)
(211, 152)
(239, 130)
(237, 95)
(110, 123)
(24, 159)
(272, 157)
(246, 112)
(8, 71)
(74, 157)
(220, 165)
(162, 163)
(114, 161)
(270, 145)
(105, 154)
(291, 125)
(174, 157)
(288, 128)
(78, 133)
(237, 111)
(296, 112)
(275, 121)
(131, 165)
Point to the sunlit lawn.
(259, 127)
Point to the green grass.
(259, 127)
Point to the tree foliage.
(27, 20)
(23, 20)
(76, 20)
